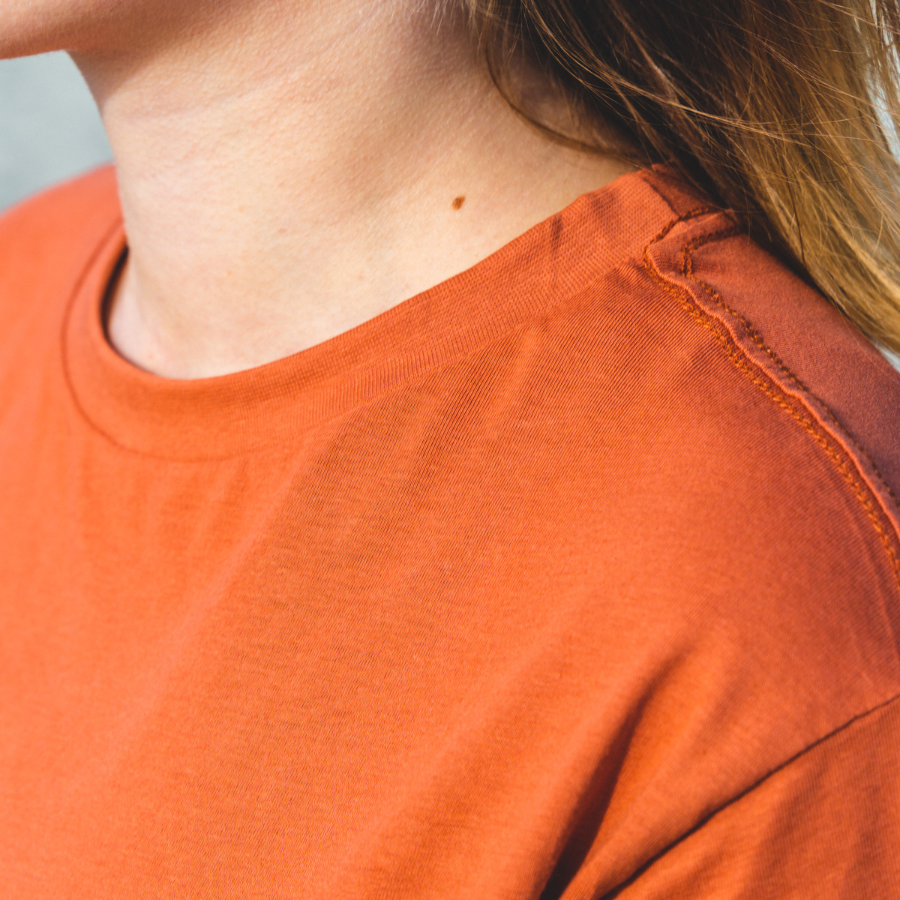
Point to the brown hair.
(781, 111)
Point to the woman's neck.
(287, 173)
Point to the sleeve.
(825, 826)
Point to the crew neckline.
(276, 403)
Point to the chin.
(40, 26)
(28, 27)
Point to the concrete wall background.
(50, 129)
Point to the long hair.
(781, 111)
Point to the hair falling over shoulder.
(783, 112)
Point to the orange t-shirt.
(574, 576)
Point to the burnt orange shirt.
(575, 576)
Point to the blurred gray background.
(49, 127)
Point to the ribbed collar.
(274, 404)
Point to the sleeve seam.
(842, 458)
(707, 817)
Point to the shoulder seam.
(741, 361)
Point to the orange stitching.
(691, 214)
(687, 270)
(741, 361)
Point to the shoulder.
(713, 372)
(811, 408)
(42, 236)
(46, 244)
(721, 472)
(726, 454)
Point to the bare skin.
(291, 169)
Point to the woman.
(449, 456)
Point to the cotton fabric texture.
(575, 576)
